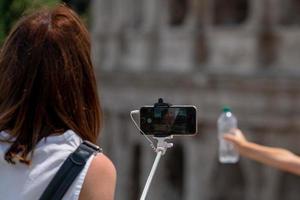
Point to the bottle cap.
(226, 109)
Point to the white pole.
(150, 177)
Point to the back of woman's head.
(47, 83)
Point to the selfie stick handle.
(161, 149)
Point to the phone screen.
(174, 120)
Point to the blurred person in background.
(274, 157)
(48, 105)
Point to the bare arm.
(275, 157)
(100, 180)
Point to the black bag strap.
(69, 170)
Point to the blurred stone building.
(210, 53)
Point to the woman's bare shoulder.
(100, 180)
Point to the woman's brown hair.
(47, 82)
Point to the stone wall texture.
(244, 53)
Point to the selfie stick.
(160, 149)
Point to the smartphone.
(173, 120)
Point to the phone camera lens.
(149, 120)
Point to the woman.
(48, 105)
(275, 157)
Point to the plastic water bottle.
(226, 122)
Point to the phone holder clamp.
(161, 104)
(163, 145)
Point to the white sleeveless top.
(23, 182)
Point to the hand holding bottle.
(237, 138)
